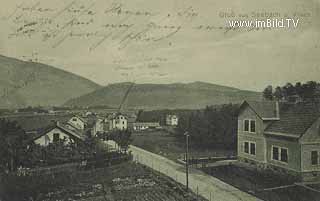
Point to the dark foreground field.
(264, 185)
(126, 182)
(165, 144)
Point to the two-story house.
(78, 122)
(117, 122)
(284, 137)
(171, 120)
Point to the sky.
(167, 41)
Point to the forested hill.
(165, 96)
(33, 84)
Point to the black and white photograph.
(159, 100)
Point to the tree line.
(213, 127)
(309, 91)
(160, 115)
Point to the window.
(253, 126)
(74, 119)
(284, 155)
(314, 157)
(249, 125)
(246, 147)
(246, 125)
(280, 154)
(56, 137)
(275, 153)
(252, 148)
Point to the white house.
(112, 122)
(56, 133)
(77, 122)
(118, 122)
(172, 120)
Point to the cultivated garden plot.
(265, 185)
(127, 182)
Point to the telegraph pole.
(187, 160)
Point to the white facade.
(51, 136)
(172, 120)
(98, 127)
(119, 122)
(77, 122)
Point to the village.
(276, 156)
(171, 100)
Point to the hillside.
(33, 84)
(159, 96)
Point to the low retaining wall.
(72, 166)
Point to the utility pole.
(187, 160)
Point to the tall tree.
(267, 93)
(122, 137)
(13, 143)
(278, 93)
(299, 89)
(309, 90)
(211, 127)
(289, 90)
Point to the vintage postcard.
(159, 100)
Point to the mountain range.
(193, 95)
(24, 83)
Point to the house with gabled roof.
(78, 122)
(57, 132)
(284, 137)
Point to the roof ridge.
(295, 118)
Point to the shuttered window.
(246, 147)
(284, 155)
(314, 157)
(252, 148)
(253, 126)
(246, 125)
(275, 153)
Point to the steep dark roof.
(295, 119)
(38, 122)
(264, 109)
(71, 132)
(81, 119)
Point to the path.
(207, 186)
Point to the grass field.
(126, 182)
(165, 144)
(260, 184)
